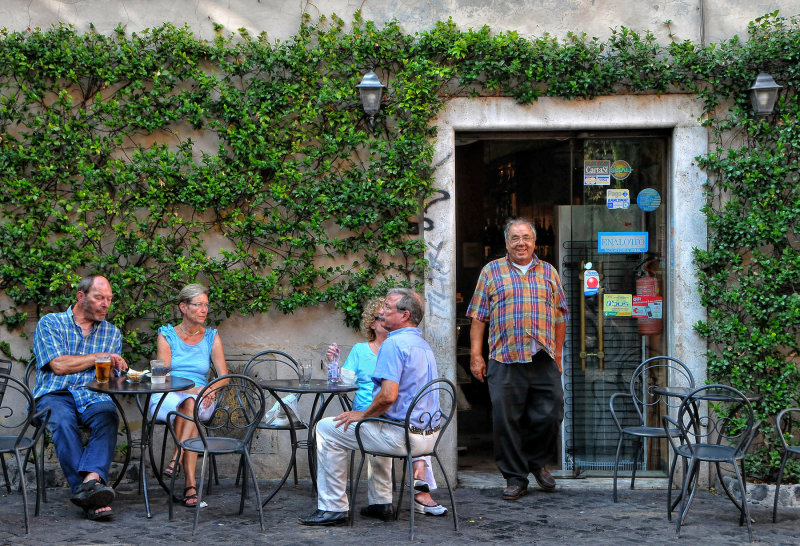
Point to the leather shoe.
(323, 517)
(545, 480)
(513, 492)
(383, 512)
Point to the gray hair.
(515, 221)
(86, 283)
(411, 302)
(190, 292)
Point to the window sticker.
(597, 172)
(624, 242)
(647, 307)
(591, 282)
(617, 305)
(648, 200)
(621, 169)
(618, 198)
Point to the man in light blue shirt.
(405, 364)
(65, 345)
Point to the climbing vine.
(158, 159)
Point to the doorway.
(598, 201)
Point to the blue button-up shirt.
(57, 334)
(407, 359)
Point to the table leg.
(312, 430)
(129, 445)
(144, 442)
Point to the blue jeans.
(76, 460)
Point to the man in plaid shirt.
(65, 345)
(522, 299)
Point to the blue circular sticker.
(648, 200)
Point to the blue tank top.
(189, 361)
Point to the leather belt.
(426, 432)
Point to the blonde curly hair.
(368, 315)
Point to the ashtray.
(134, 376)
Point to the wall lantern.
(371, 91)
(763, 94)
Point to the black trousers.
(527, 406)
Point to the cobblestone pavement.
(568, 516)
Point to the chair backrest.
(30, 373)
(239, 406)
(5, 369)
(445, 392)
(658, 371)
(717, 414)
(785, 422)
(268, 365)
(18, 407)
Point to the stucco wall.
(715, 19)
(306, 332)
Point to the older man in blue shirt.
(405, 364)
(65, 345)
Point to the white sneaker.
(437, 510)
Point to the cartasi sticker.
(597, 172)
(622, 242)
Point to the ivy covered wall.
(159, 158)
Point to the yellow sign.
(617, 305)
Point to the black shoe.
(513, 492)
(545, 480)
(383, 512)
(92, 494)
(323, 517)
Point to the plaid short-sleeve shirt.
(519, 307)
(56, 335)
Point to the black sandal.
(172, 468)
(94, 513)
(189, 497)
(93, 494)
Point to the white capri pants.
(171, 403)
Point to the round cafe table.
(143, 390)
(324, 392)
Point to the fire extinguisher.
(647, 285)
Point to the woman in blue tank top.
(188, 349)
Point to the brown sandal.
(189, 497)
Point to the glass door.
(611, 255)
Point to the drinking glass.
(306, 369)
(102, 368)
(158, 371)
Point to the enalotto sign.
(622, 242)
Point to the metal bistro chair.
(721, 433)
(446, 393)
(785, 415)
(239, 407)
(268, 365)
(650, 373)
(5, 368)
(20, 444)
(158, 466)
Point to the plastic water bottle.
(333, 367)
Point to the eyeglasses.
(204, 306)
(514, 239)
